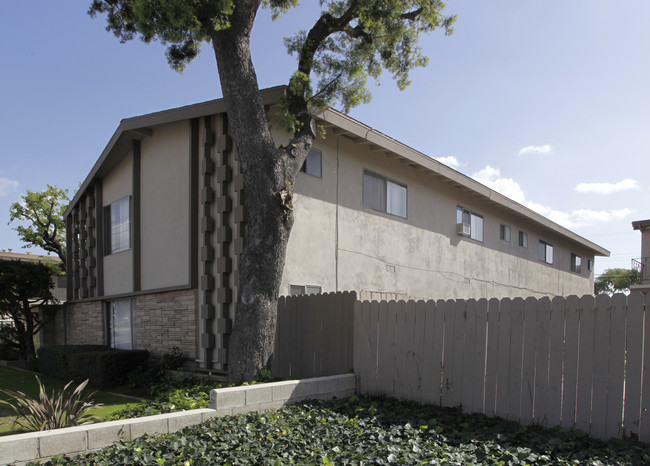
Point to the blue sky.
(547, 102)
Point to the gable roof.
(140, 127)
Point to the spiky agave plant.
(65, 408)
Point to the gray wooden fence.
(314, 335)
(576, 362)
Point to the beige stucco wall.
(118, 267)
(164, 207)
(340, 244)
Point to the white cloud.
(491, 177)
(449, 160)
(528, 150)
(607, 188)
(7, 185)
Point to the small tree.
(613, 280)
(43, 212)
(24, 286)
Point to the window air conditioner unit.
(462, 229)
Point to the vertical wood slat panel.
(644, 431)
(458, 352)
(278, 357)
(384, 358)
(479, 356)
(601, 366)
(516, 352)
(438, 315)
(585, 364)
(616, 371)
(468, 369)
(429, 391)
(570, 378)
(503, 365)
(375, 342)
(449, 310)
(362, 362)
(540, 404)
(423, 359)
(556, 359)
(400, 352)
(634, 366)
(528, 361)
(412, 367)
(491, 357)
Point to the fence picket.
(528, 361)
(492, 357)
(601, 366)
(422, 366)
(374, 344)
(402, 348)
(644, 430)
(616, 369)
(504, 365)
(362, 360)
(570, 376)
(540, 404)
(585, 364)
(556, 357)
(460, 323)
(449, 308)
(412, 371)
(516, 353)
(428, 391)
(468, 364)
(437, 364)
(633, 368)
(480, 341)
(384, 355)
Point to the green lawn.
(15, 379)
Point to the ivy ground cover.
(366, 430)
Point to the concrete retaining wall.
(40, 446)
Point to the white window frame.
(386, 202)
(313, 164)
(576, 263)
(523, 239)
(471, 220)
(119, 225)
(119, 321)
(299, 290)
(545, 252)
(504, 232)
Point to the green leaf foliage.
(616, 280)
(366, 431)
(42, 216)
(65, 408)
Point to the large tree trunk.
(267, 172)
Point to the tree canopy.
(24, 285)
(42, 214)
(616, 280)
(350, 42)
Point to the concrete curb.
(39, 446)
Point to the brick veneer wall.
(84, 324)
(166, 320)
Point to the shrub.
(65, 408)
(54, 360)
(106, 368)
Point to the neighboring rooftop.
(26, 256)
(641, 225)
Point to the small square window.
(504, 233)
(523, 239)
(313, 163)
(576, 263)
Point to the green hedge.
(103, 366)
(54, 360)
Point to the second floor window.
(313, 162)
(120, 230)
(384, 195)
(505, 232)
(523, 239)
(468, 220)
(545, 252)
(576, 263)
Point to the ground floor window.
(120, 324)
(297, 290)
